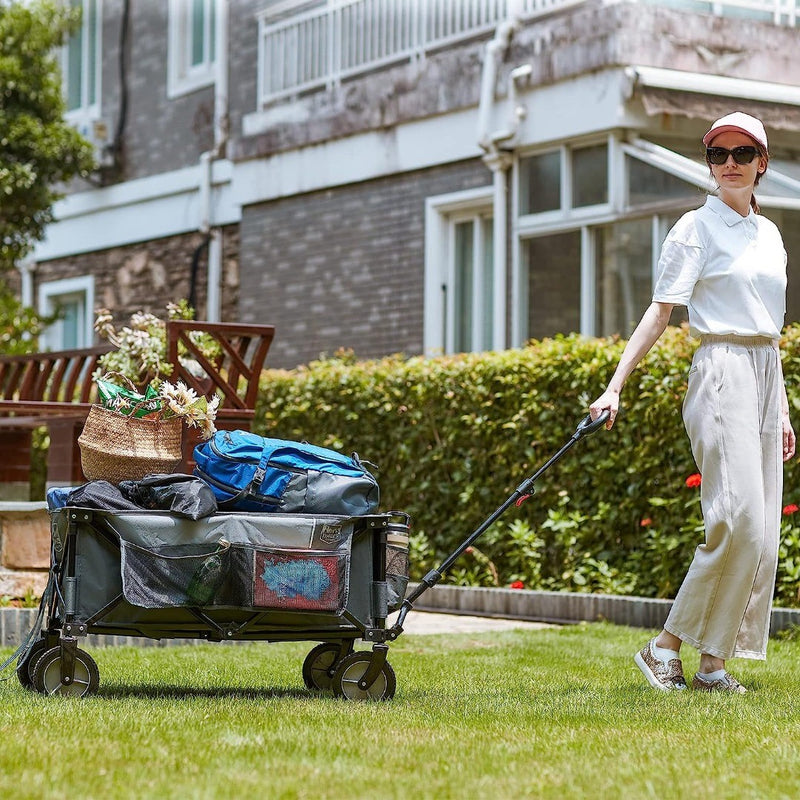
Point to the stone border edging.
(521, 604)
(565, 607)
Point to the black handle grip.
(588, 425)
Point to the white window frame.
(441, 215)
(87, 111)
(588, 219)
(53, 337)
(184, 77)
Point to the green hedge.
(454, 436)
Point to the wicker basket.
(116, 447)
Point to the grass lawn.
(555, 713)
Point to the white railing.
(321, 47)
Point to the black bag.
(182, 495)
(101, 495)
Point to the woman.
(727, 264)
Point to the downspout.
(26, 269)
(498, 160)
(213, 233)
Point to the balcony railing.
(342, 38)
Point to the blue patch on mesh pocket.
(291, 579)
(300, 580)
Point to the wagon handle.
(589, 426)
(522, 492)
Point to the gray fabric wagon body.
(230, 575)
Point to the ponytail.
(754, 204)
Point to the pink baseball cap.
(741, 122)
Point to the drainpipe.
(26, 269)
(207, 228)
(499, 162)
(499, 159)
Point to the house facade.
(403, 176)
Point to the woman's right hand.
(608, 401)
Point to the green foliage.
(37, 148)
(140, 352)
(19, 326)
(454, 436)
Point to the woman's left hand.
(789, 441)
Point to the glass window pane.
(487, 283)
(590, 176)
(90, 10)
(74, 70)
(554, 284)
(212, 35)
(789, 224)
(70, 324)
(540, 183)
(647, 184)
(198, 22)
(624, 275)
(464, 261)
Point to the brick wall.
(344, 267)
(147, 276)
(160, 133)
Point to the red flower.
(694, 480)
(790, 509)
(646, 522)
(517, 585)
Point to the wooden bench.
(57, 390)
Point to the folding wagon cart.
(235, 577)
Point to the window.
(590, 176)
(472, 285)
(623, 275)
(540, 183)
(553, 267)
(788, 221)
(191, 45)
(459, 272)
(81, 62)
(563, 179)
(73, 300)
(648, 184)
(590, 225)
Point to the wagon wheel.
(320, 664)
(350, 671)
(26, 665)
(47, 674)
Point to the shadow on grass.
(117, 691)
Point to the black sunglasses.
(741, 155)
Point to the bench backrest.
(61, 376)
(233, 372)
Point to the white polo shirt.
(728, 270)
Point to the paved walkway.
(426, 622)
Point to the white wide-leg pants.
(732, 413)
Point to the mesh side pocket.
(301, 580)
(396, 575)
(175, 575)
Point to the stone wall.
(24, 549)
(147, 276)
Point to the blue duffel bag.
(247, 472)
